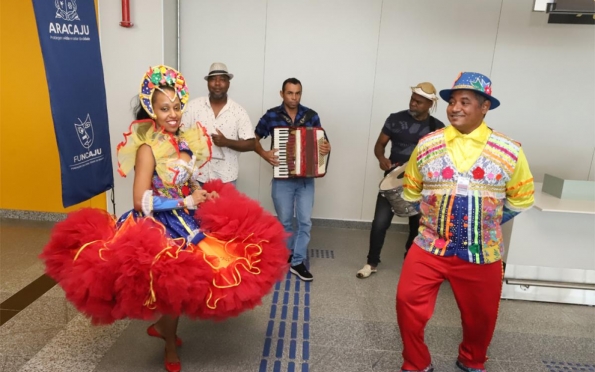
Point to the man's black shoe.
(301, 272)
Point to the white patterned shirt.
(233, 121)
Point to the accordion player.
(299, 152)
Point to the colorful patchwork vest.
(461, 212)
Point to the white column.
(127, 54)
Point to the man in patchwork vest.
(468, 180)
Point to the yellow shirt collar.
(480, 134)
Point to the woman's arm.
(142, 194)
(144, 167)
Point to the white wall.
(545, 75)
(127, 54)
(592, 170)
(357, 60)
(212, 32)
(413, 48)
(331, 46)
(170, 32)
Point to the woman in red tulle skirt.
(206, 252)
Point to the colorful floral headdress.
(472, 81)
(162, 76)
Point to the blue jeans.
(289, 196)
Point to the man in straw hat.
(403, 129)
(469, 180)
(226, 121)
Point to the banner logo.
(86, 135)
(66, 9)
(85, 132)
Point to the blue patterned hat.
(475, 82)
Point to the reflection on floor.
(336, 323)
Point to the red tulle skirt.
(136, 271)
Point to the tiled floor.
(337, 323)
(20, 243)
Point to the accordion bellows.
(299, 152)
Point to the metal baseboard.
(549, 284)
(319, 222)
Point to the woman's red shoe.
(173, 366)
(152, 331)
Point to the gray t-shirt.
(404, 132)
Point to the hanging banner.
(69, 41)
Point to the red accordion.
(299, 152)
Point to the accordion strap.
(300, 123)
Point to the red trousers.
(477, 290)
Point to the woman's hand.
(212, 195)
(199, 196)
